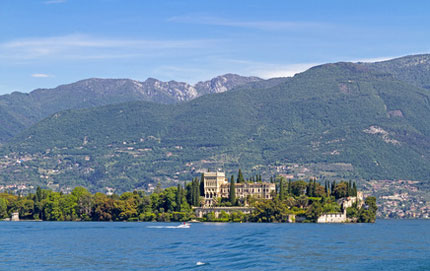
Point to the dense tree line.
(306, 199)
(80, 205)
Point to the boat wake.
(182, 226)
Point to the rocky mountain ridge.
(19, 111)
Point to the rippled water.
(385, 245)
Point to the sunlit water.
(385, 245)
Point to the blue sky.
(45, 43)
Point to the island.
(210, 198)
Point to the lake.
(385, 245)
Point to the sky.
(45, 43)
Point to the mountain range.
(337, 120)
(19, 111)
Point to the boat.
(184, 226)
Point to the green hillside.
(19, 111)
(335, 114)
(414, 69)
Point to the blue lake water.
(385, 245)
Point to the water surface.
(385, 245)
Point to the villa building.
(212, 186)
(217, 186)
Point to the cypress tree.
(195, 192)
(197, 203)
(309, 189)
(232, 194)
(190, 192)
(281, 189)
(350, 192)
(38, 194)
(240, 178)
(333, 186)
(314, 185)
(354, 189)
(178, 198)
(289, 187)
(202, 185)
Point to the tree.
(84, 202)
(178, 198)
(314, 211)
(366, 216)
(39, 194)
(127, 206)
(195, 192)
(281, 189)
(232, 194)
(68, 206)
(202, 185)
(333, 186)
(341, 190)
(309, 189)
(103, 208)
(298, 188)
(240, 178)
(350, 190)
(3, 208)
(289, 187)
(270, 211)
(168, 199)
(189, 188)
(327, 189)
(51, 207)
(354, 189)
(302, 201)
(314, 184)
(319, 191)
(370, 202)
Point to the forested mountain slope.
(21, 110)
(341, 113)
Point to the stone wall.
(332, 218)
(201, 211)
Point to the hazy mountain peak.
(23, 110)
(223, 83)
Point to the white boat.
(184, 226)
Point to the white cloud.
(267, 70)
(40, 75)
(272, 71)
(261, 25)
(375, 59)
(50, 2)
(79, 46)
